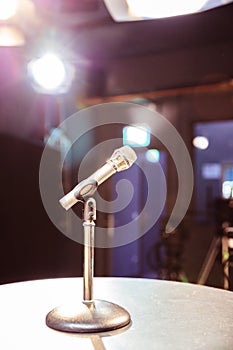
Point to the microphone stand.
(88, 316)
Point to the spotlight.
(163, 8)
(8, 9)
(50, 74)
(139, 10)
(11, 36)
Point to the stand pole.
(88, 316)
(209, 260)
(89, 241)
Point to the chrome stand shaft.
(89, 241)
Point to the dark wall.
(30, 246)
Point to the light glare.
(8, 8)
(201, 142)
(153, 155)
(163, 8)
(11, 36)
(136, 136)
(48, 71)
(227, 189)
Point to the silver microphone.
(121, 159)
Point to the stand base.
(88, 317)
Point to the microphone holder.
(89, 315)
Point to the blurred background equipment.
(222, 244)
(166, 256)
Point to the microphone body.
(121, 159)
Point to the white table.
(165, 315)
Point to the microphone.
(121, 159)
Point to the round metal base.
(88, 317)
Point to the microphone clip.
(85, 189)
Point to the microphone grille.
(122, 158)
(129, 154)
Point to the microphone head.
(122, 158)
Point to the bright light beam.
(8, 9)
(163, 8)
(48, 71)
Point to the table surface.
(165, 315)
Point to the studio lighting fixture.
(164, 8)
(134, 10)
(8, 9)
(11, 33)
(49, 74)
(11, 36)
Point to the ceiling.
(128, 57)
(94, 35)
(137, 56)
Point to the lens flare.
(48, 71)
(201, 142)
(8, 9)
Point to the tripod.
(224, 241)
(168, 254)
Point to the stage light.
(50, 74)
(138, 10)
(136, 135)
(8, 9)
(18, 21)
(48, 71)
(11, 36)
(153, 155)
(201, 142)
(163, 8)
